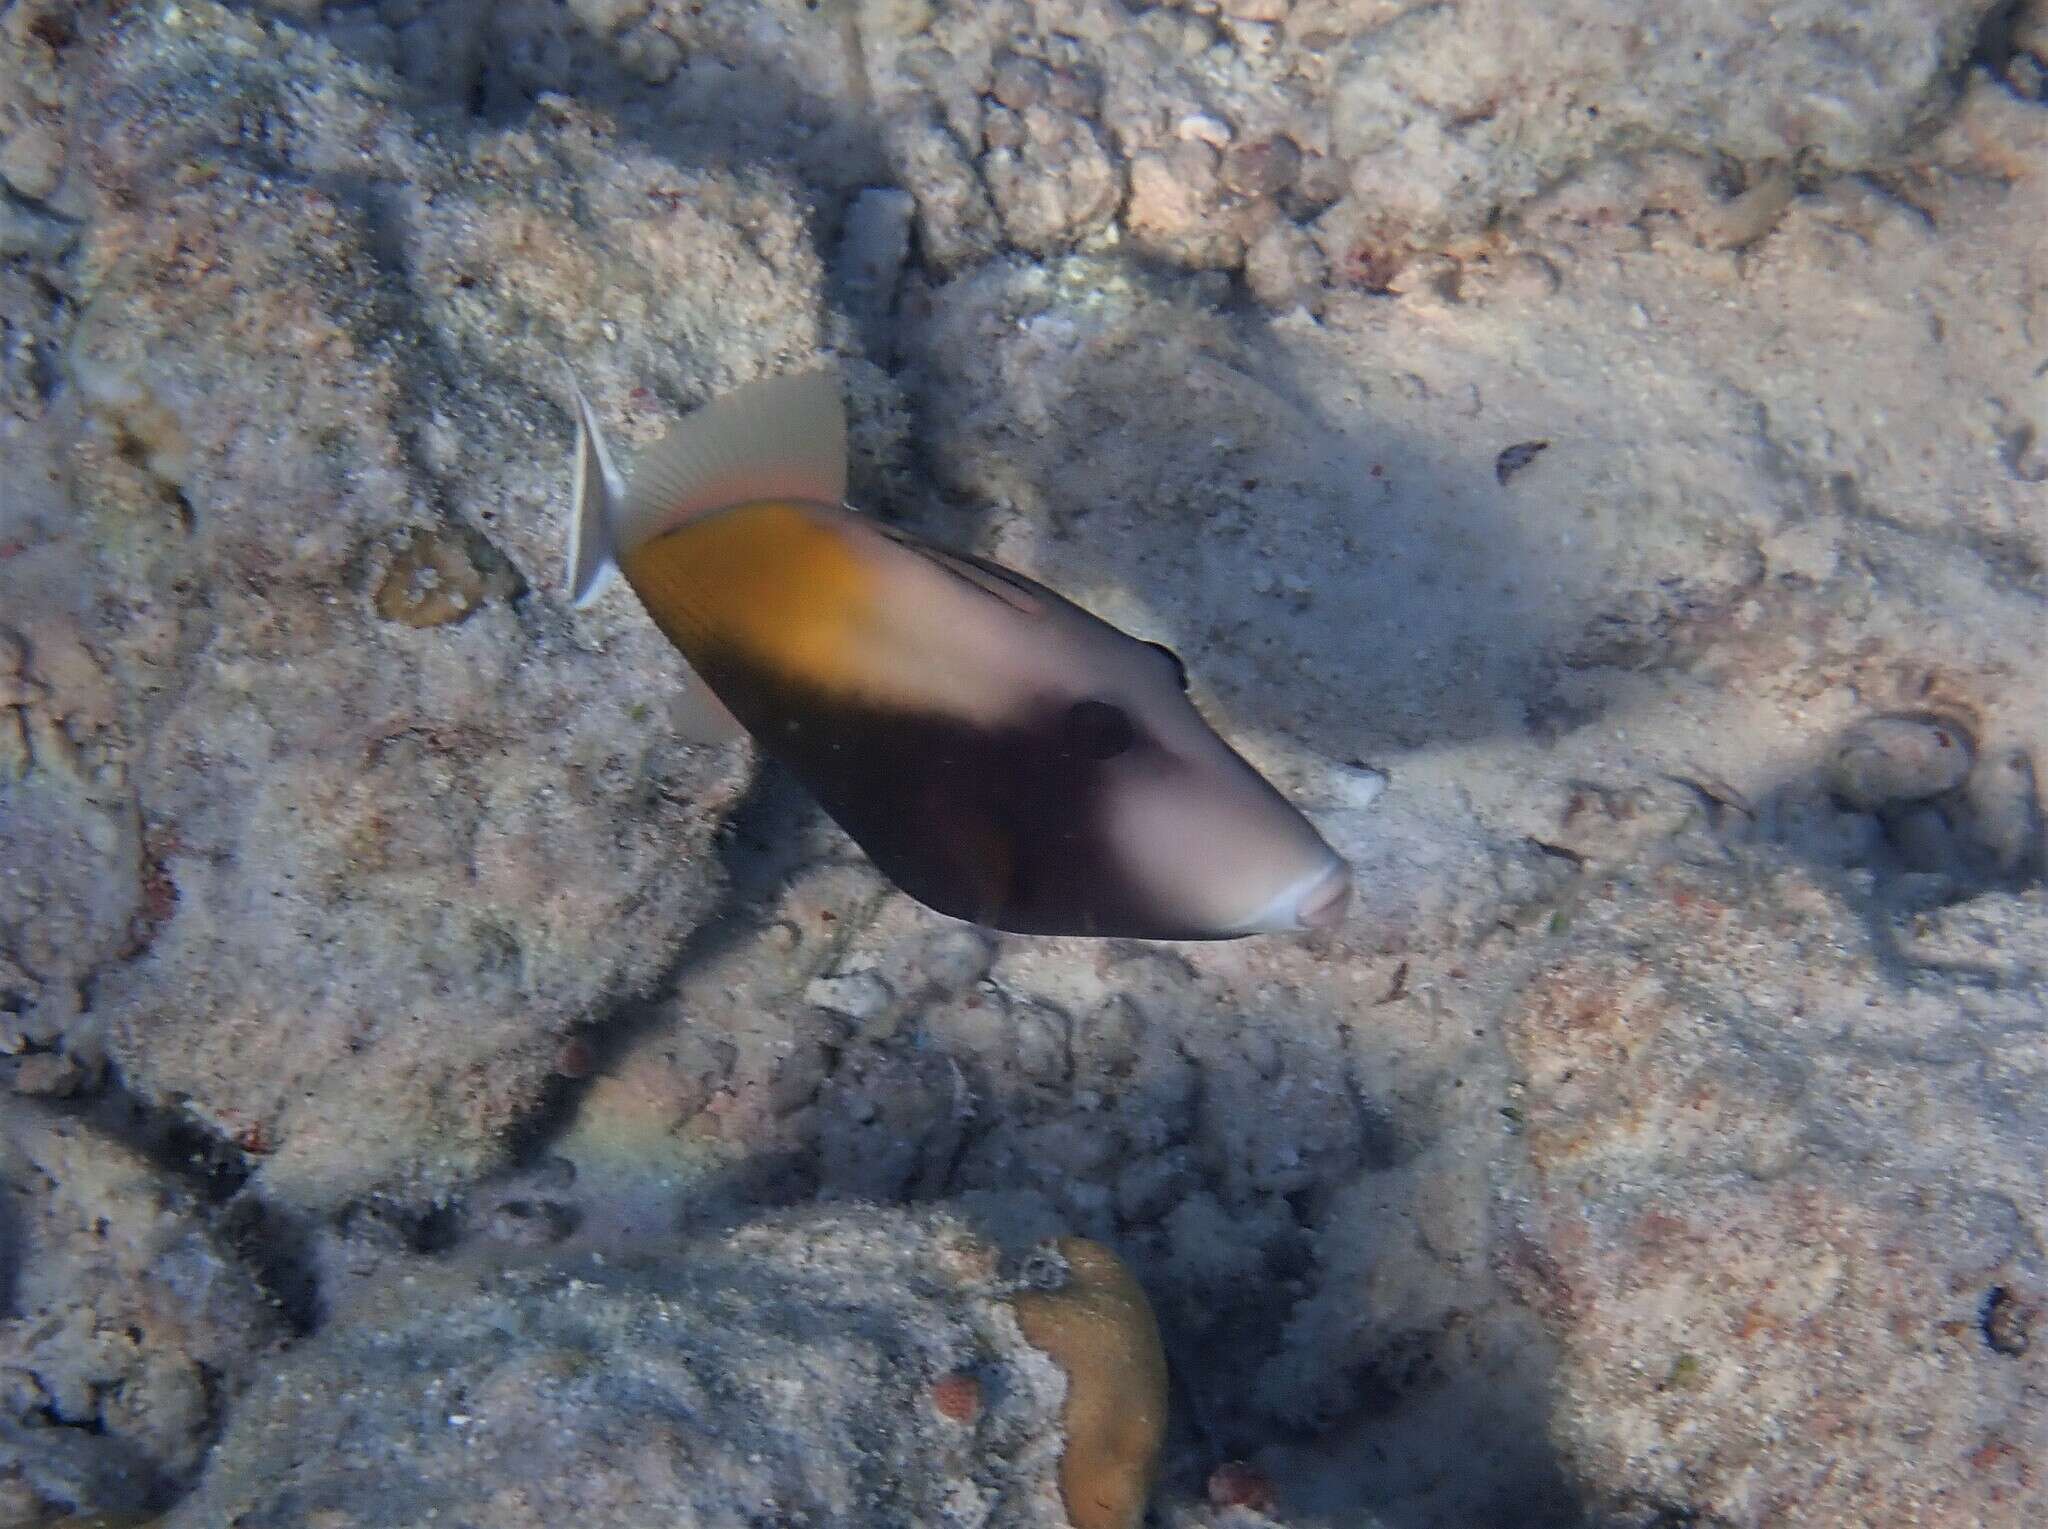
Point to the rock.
(606, 17)
(484, 832)
(25, 231)
(1747, 217)
(2003, 811)
(48, 1074)
(32, 160)
(957, 1398)
(1688, 1187)
(371, 907)
(522, 1222)
(1285, 269)
(653, 55)
(1097, 1326)
(1484, 139)
(130, 1326)
(1020, 82)
(1264, 167)
(1257, 39)
(955, 223)
(873, 249)
(1527, 274)
(1257, 10)
(431, 580)
(1177, 209)
(1055, 185)
(1238, 1484)
(790, 1361)
(14, 754)
(1886, 760)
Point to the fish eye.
(1097, 729)
(1180, 670)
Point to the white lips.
(1327, 901)
(1317, 901)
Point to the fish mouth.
(1325, 903)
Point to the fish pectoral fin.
(594, 497)
(783, 438)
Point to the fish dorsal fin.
(1013, 589)
(593, 507)
(784, 438)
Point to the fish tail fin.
(781, 438)
(594, 510)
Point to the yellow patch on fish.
(773, 581)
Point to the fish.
(1002, 755)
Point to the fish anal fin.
(699, 717)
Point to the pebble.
(1744, 219)
(605, 17)
(24, 231)
(1020, 82)
(14, 752)
(1885, 760)
(32, 161)
(2004, 806)
(1284, 268)
(526, 1223)
(860, 996)
(48, 1075)
(1264, 167)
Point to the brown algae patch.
(1099, 1329)
(430, 580)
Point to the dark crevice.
(1993, 48)
(271, 1244)
(476, 98)
(276, 1246)
(205, 1163)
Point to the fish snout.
(1327, 899)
